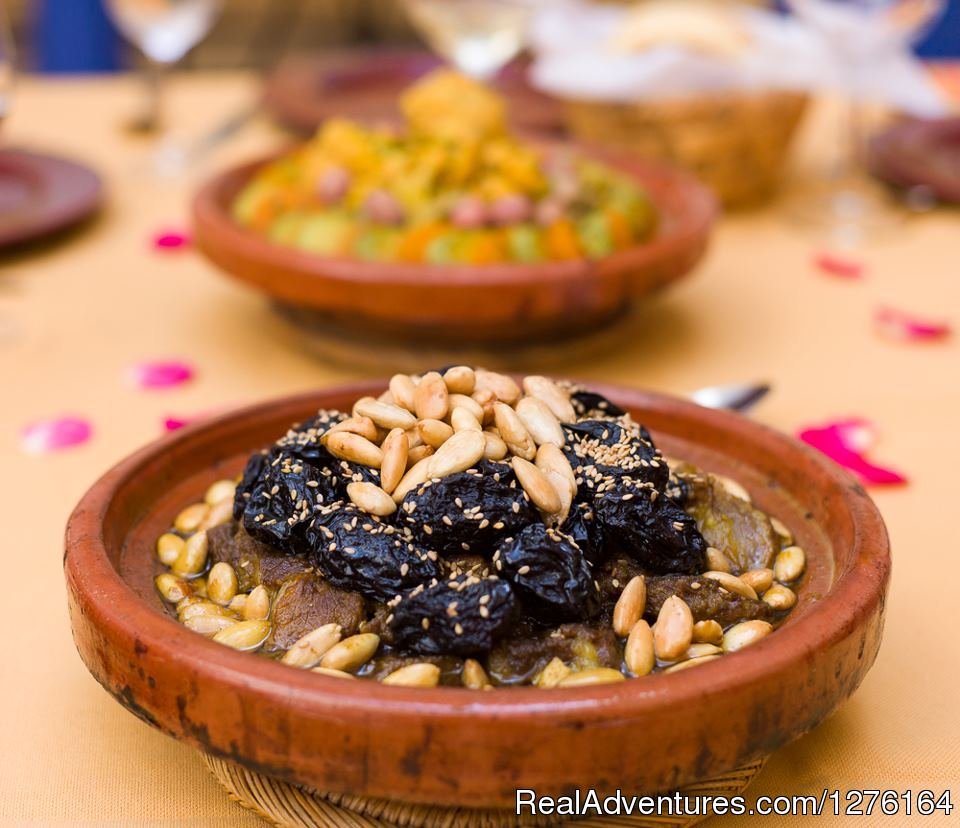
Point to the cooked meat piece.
(730, 523)
(518, 658)
(613, 575)
(305, 602)
(254, 562)
(705, 598)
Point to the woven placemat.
(291, 806)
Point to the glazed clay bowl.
(463, 303)
(451, 746)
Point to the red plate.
(920, 153)
(43, 194)
(364, 85)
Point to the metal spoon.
(736, 397)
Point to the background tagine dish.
(464, 529)
(452, 187)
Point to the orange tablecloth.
(77, 314)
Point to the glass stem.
(155, 76)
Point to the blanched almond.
(421, 674)
(460, 379)
(371, 499)
(536, 485)
(434, 432)
(789, 564)
(744, 634)
(244, 635)
(462, 451)
(307, 651)
(513, 432)
(430, 400)
(638, 652)
(345, 445)
(540, 421)
(385, 415)
(732, 583)
(395, 450)
(503, 387)
(351, 653)
(674, 629)
(630, 605)
(553, 395)
(403, 390)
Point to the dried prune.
(604, 451)
(471, 511)
(583, 526)
(277, 497)
(303, 440)
(651, 529)
(706, 599)
(549, 573)
(589, 404)
(462, 616)
(359, 551)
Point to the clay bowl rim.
(211, 219)
(851, 598)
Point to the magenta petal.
(897, 324)
(841, 266)
(161, 374)
(844, 442)
(45, 436)
(171, 240)
(174, 423)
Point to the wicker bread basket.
(736, 143)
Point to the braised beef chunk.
(278, 495)
(254, 562)
(359, 551)
(463, 616)
(705, 598)
(605, 451)
(549, 573)
(526, 651)
(471, 511)
(305, 602)
(731, 524)
(614, 574)
(651, 529)
(584, 528)
(589, 404)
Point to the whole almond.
(473, 675)
(630, 606)
(371, 499)
(395, 450)
(431, 400)
(307, 651)
(351, 653)
(717, 561)
(540, 421)
(460, 379)
(413, 477)
(707, 632)
(385, 415)
(363, 426)
(513, 432)
(553, 395)
(421, 674)
(495, 448)
(463, 420)
(780, 597)
(348, 446)
(403, 390)
(421, 452)
(674, 629)
(536, 485)
(789, 564)
(732, 583)
(744, 634)
(638, 652)
(461, 452)
(551, 459)
(434, 432)
(759, 580)
(504, 388)
(463, 401)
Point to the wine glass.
(479, 37)
(164, 31)
(6, 63)
(861, 34)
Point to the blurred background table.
(76, 314)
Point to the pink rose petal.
(845, 442)
(900, 325)
(171, 240)
(45, 436)
(837, 265)
(160, 374)
(175, 423)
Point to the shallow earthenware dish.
(464, 303)
(452, 746)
